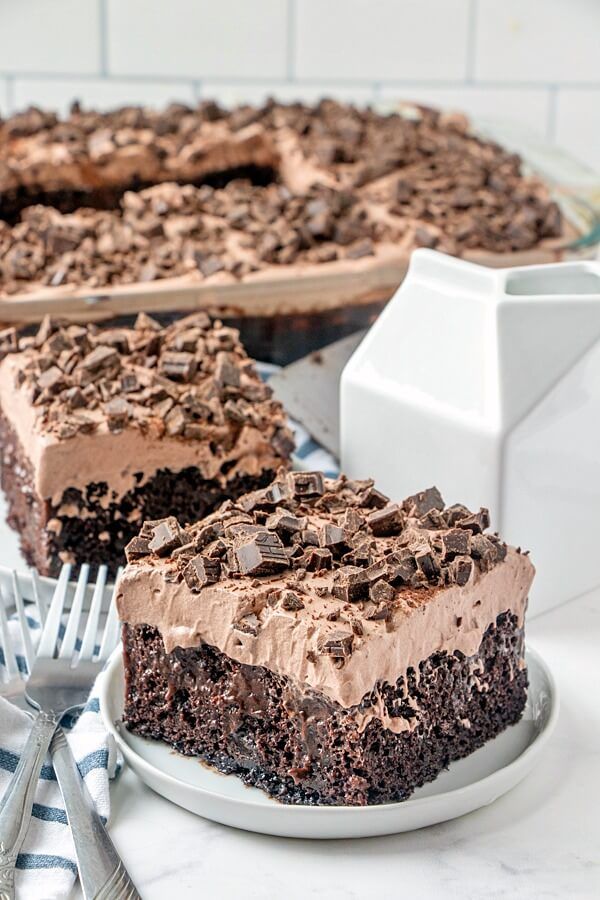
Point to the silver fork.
(60, 682)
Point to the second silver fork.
(55, 686)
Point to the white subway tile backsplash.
(529, 108)
(385, 39)
(61, 36)
(287, 92)
(58, 93)
(538, 40)
(532, 63)
(578, 124)
(187, 38)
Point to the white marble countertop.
(542, 840)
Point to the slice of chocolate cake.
(101, 429)
(323, 643)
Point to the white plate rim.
(519, 767)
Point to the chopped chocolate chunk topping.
(200, 571)
(137, 548)
(385, 521)
(314, 538)
(381, 592)
(456, 542)
(291, 601)
(121, 378)
(420, 504)
(166, 536)
(476, 522)
(306, 484)
(337, 644)
(263, 554)
(177, 366)
(460, 570)
(249, 624)
(351, 583)
(331, 536)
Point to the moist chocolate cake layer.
(304, 748)
(87, 525)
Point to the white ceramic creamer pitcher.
(486, 383)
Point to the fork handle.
(17, 803)
(102, 873)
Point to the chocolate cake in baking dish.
(293, 220)
(323, 643)
(103, 428)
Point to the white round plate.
(467, 785)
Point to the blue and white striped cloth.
(46, 866)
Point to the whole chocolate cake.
(103, 428)
(322, 642)
(295, 222)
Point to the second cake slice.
(103, 428)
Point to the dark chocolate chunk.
(476, 522)
(200, 571)
(331, 536)
(284, 523)
(428, 563)
(262, 555)
(8, 341)
(74, 398)
(52, 380)
(350, 584)
(207, 534)
(352, 521)
(381, 592)
(144, 322)
(226, 373)
(337, 644)
(136, 548)
(419, 504)
(117, 412)
(291, 601)
(401, 568)
(177, 366)
(309, 537)
(454, 513)
(433, 520)
(460, 569)
(378, 569)
(306, 484)
(166, 535)
(456, 542)
(318, 558)
(249, 624)
(99, 359)
(386, 521)
(371, 498)
(129, 382)
(500, 546)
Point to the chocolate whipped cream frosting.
(115, 405)
(326, 582)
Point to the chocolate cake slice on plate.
(322, 642)
(103, 428)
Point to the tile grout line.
(103, 30)
(291, 40)
(440, 84)
(471, 41)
